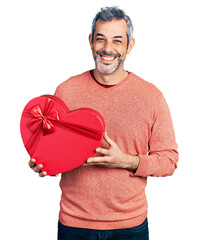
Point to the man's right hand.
(36, 168)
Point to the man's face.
(109, 45)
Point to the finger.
(43, 174)
(103, 151)
(101, 164)
(108, 139)
(104, 159)
(86, 164)
(38, 168)
(32, 162)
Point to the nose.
(108, 48)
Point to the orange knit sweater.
(137, 118)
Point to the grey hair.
(110, 13)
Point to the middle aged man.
(105, 198)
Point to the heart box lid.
(58, 138)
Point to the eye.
(117, 41)
(100, 39)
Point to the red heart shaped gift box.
(58, 138)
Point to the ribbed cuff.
(142, 168)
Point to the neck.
(110, 79)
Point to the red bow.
(42, 120)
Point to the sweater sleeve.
(163, 155)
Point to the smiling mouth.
(107, 57)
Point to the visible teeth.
(107, 58)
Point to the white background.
(42, 44)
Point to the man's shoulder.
(145, 87)
(74, 80)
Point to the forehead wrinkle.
(111, 28)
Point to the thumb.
(108, 139)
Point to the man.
(105, 198)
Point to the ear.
(131, 45)
(90, 40)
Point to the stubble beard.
(107, 70)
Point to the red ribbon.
(41, 120)
(44, 122)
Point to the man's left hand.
(113, 157)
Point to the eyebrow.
(101, 35)
(117, 37)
